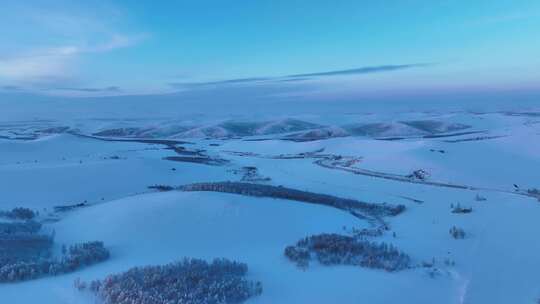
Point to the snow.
(497, 262)
(159, 228)
(65, 169)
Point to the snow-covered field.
(491, 155)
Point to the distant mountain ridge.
(286, 128)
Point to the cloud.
(110, 89)
(361, 70)
(45, 50)
(40, 22)
(10, 88)
(218, 83)
(34, 66)
(115, 41)
(293, 79)
(299, 77)
(56, 61)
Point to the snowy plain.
(496, 263)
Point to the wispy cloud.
(115, 41)
(299, 77)
(220, 82)
(10, 88)
(110, 89)
(36, 65)
(59, 38)
(42, 66)
(361, 70)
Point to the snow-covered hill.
(108, 176)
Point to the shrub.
(191, 281)
(161, 188)
(479, 198)
(355, 207)
(85, 254)
(534, 192)
(459, 209)
(21, 240)
(30, 227)
(66, 208)
(368, 232)
(335, 249)
(419, 175)
(19, 213)
(36, 266)
(457, 233)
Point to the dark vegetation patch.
(530, 192)
(368, 232)
(161, 188)
(457, 233)
(26, 253)
(13, 228)
(75, 257)
(459, 209)
(183, 151)
(194, 156)
(393, 138)
(250, 174)
(477, 138)
(18, 213)
(205, 160)
(335, 249)
(412, 199)
(437, 150)
(23, 240)
(479, 198)
(190, 281)
(65, 208)
(302, 155)
(357, 208)
(166, 142)
(534, 193)
(419, 174)
(451, 134)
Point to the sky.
(312, 49)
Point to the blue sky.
(281, 47)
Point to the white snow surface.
(497, 262)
